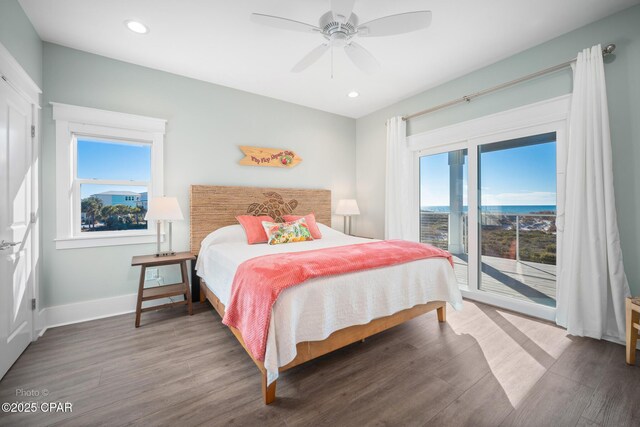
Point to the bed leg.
(442, 313)
(195, 281)
(268, 393)
(203, 297)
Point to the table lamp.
(347, 208)
(164, 209)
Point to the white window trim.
(551, 115)
(72, 121)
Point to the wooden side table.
(633, 328)
(165, 291)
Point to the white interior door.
(16, 269)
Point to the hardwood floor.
(484, 367)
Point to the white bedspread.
(315, 309)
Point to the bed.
(322, 314)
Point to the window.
(489, 195)
(110, 176)
(107, 166)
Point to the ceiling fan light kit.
(340, 26)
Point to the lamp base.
(346, 227)
(159, 254)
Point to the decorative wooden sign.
(274, 157)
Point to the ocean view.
(519, 232)
(516, 192)
(502, 209)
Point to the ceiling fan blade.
(342, 9)
(362, 58)
(283, 23)
(395, 24)
(310, 58)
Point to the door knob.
(5, 245)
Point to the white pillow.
(328, 231)
(235, 234)
(229, 234)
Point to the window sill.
(106, 240)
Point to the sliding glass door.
(491, 202)
(516, 218)
(443, 206)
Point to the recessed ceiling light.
(136, 26)
(353, 94)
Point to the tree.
(137, 211)
(91, 207)
(124, 214)
(111, 215)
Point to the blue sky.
(516, 176)
(100, 160)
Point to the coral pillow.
(311, 223)
(287, 232)
(253, 228)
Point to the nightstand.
(147, 294)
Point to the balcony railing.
(518, 236)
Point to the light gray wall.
(206, 124)
(20, 38)
(623, 85)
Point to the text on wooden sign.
(273, 157)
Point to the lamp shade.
(347, 207)
(164, 208)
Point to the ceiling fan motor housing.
(338, 33)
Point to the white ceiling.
(214, 41)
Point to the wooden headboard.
(213, 207)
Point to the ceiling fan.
(339, 27)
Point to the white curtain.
(401, 195)
(592, 284)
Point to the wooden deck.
(528, 281)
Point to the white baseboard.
(84, 311)
(617, 340)
(41, 324)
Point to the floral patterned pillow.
(287, 232)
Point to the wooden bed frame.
(213, 207)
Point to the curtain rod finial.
(609, 49)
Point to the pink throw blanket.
(259, 281)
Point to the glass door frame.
(472, 144)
